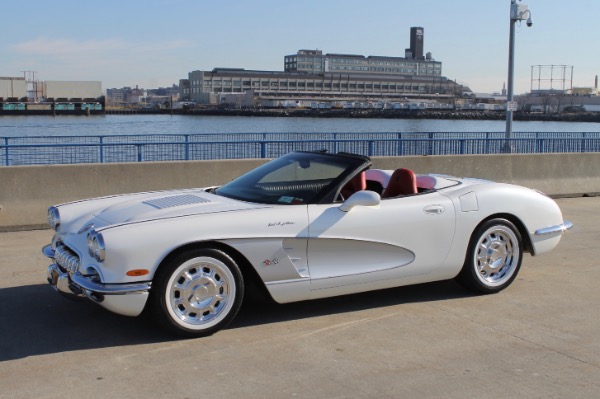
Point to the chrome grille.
(66, 258)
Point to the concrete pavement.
(537, 339)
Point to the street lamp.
(518, 12)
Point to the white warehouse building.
(13, 87)
(72, 89)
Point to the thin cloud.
(44, 46)
(113, 61)
(71, 47)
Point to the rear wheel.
(494, 257)
(198, 292)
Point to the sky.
(154, 43)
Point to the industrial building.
(26, 90)
(72, 89)
(21, 95)
(148, 98)
(12, 88)
(313, 75)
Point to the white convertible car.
(304, 226)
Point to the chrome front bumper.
(125, 299)
(561, 228)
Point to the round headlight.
(96, 247)
(53, 218)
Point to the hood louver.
(176, 200)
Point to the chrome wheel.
(493, 258)
(497, 255)
(198, 292)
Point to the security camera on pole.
(518, 12)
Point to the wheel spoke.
(212, 310)
(180, 301)
(483, 247)
(187, 279)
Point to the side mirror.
(361, 198)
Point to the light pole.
(518, 12)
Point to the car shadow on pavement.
(34, 320)
(257, 312)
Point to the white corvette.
(306, 225)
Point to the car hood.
(152, 206)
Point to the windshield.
(293, 179)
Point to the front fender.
(530, 209)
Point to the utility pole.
(518, 12)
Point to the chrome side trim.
(561, 228)
(291, 281)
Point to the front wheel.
(197, 293)
(493, 258)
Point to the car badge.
(269, 262)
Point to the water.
(19, 126)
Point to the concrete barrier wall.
(26, 192)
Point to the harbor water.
(101, 125)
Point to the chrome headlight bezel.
(54, 218)
(96, 246)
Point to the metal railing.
(43, 150)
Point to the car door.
(370, 247)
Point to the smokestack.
(596, 83)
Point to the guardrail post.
(139, 151)
(430, 135)
(101, 149)
(462, 147)
(371, 144)
(400, 149)
(187, 147)
(263, 149)
(335, 143)
(6, 151)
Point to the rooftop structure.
(417, 41)
(551, 79)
